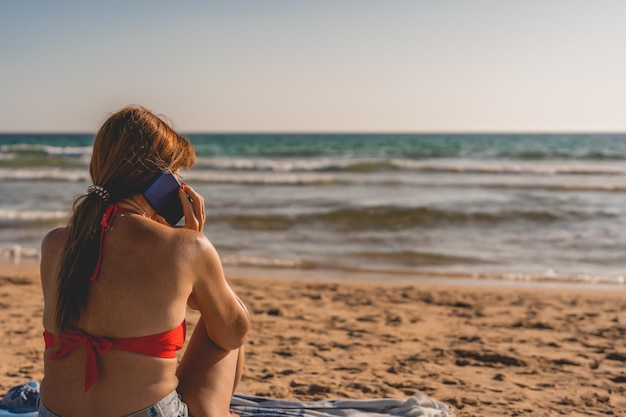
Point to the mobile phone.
(162, 194)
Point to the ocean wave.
(273, 165)
(538, 156)
(374, 165)
(393, 271)
(510, 167)
(427, 274)
(44, 155)
(355, 165)
(44, 174)
(415, 147)
(18, 217)
(414, 258)
(193, 176)
(605, 184)
(35, 165)
(575, 187)
(399, 218)
(22, 148)
(265, 262)
(359, 218)
(256, 178)
(409, 266)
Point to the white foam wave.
(543, 168)
(274, 165)
(547, 278)
(514, 167)
(566, 183)
(13, 217)
(52, 174)
(251, 178)
(257, 261)
(71, 151)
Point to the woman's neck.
(138, 204)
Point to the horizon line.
(348, 132)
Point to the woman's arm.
(225, 316)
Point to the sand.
(485, 350)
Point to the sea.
(535, 208)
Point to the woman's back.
(142, 289)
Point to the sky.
(316, 65)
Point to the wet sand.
(486, 351)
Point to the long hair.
(131, 147)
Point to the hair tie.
(100, 190)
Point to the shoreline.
(418, 277)
(485, 350)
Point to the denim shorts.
(170, 406)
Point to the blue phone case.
(162, 194)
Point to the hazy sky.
(336, 65)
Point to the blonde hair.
(131, 147)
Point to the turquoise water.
(508, 207)
(26, 148)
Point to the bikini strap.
(108, 218)
(105, 223)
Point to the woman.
(117, 281)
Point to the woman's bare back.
(141, 289)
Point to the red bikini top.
(162, 345)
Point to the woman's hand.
(193, 208)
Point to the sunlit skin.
(153, 286)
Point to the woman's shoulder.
(51, 248)
(196, 246)
(54, 240)
(160, 238)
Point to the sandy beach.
(486, 351)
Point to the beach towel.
(418, 405)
